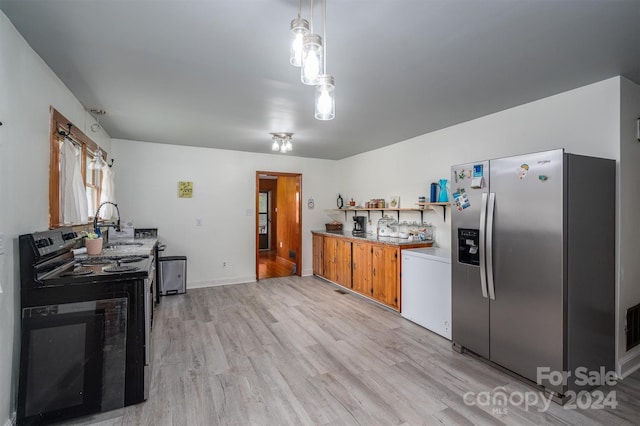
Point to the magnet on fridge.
(543, 178)
(478, 170)
(522, 171)
(477, 182)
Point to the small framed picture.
(185, 189)
(394, 202)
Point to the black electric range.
(85, 328)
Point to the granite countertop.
(373, 238)
(124, 248)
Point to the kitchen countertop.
(372, 238)
(123, 248)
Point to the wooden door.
(318, 250)
(361, 255)
(385, 275)
(286, 221)
(343, 262)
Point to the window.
(92, 177)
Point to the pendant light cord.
(299, 9)
(324, 34)
(311, 19)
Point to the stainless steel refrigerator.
(533, 263)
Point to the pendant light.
(325, 100)
(312, 56)
(299, 28)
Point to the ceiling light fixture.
(299, 29)
(312, 56)
(325, 101)
(95, 111)
(281, 142)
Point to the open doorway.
(278, 224)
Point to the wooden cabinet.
(369, 268)
(385, 274)
(337, 260)
(329, 257)
(362, 268)
(376, 273)
(318, 251)
(343, 262)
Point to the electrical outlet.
(198, 222)
(224, 263)
(280, 244)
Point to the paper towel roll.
(82, 250)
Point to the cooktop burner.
(77, 272)
(120, 268)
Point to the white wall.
(147, 176)
(628, 208)
(27, 89)
(583, 121)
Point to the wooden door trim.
(257, 237)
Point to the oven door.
(72, 361)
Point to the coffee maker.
(359, 225)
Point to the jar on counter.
(394, 229)
(403, 230)
(384, 228)
(426, 232)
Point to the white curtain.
(108, 193)
(73, 199)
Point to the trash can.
(172, 274)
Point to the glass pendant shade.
(282, 142)
(312, 59)
(299, 29)
(325, 98)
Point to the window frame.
(89, 148)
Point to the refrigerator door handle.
(483, 225)
(489, 256)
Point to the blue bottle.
(433, 194)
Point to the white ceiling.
(215, 73)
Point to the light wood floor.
(293, 351)
(268, 266)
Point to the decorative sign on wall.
(185, 189)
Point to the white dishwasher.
(426, 288)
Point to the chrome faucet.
(96, 228)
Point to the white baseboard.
(224, 281)
(629, 363)
(228, 281)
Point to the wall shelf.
(421, 209)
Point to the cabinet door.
(330, 248)
(385, 275)
(362, 268)
(343, 263)
(318, 250)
